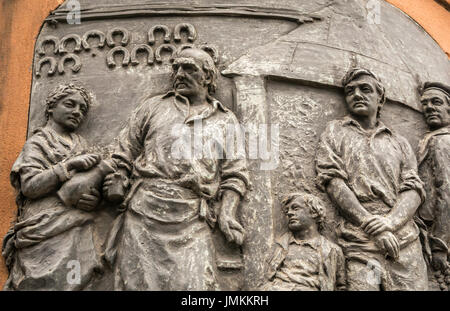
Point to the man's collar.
(442, 131)
(313, 243)
(215, 104)
(348, 120)
(424, 143)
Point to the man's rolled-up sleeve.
(235, 176)
(409, 175)
(234, 171)
(129, 144)
(329, 164)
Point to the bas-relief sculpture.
(48, 232)
(159, 196)
(370, 173)
(162, 241)
(303, 259)
(433, 158)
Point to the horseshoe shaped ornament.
(93, 33)
(51, 61)
(52, 39)
(118, 49)
(110, 36)
(165, 47)
(142, 47)
(192, 33)
(62, 44)
(151, 33)
(75, 68)
(212, 51)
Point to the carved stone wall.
(281, 63)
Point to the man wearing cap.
(163, 240)
(370, 173)
(434, 167)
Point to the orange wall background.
(19, 27)
(433, 17)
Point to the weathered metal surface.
(280, 64)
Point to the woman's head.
(67, 105)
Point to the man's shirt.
(434, 168)
(302, 263)
(157, 147)
(318, 264)
(375, 165)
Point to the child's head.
(67, 105)
(303, 210)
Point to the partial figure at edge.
(49, 238)
(434, 167)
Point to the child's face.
(299, 215)
(69, 111)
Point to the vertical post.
(256, 210)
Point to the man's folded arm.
(412, 192)
(332, 178)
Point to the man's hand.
(439, 261)
(119, 183)
(232, 230)
(377, 224)
(388, 242)
(88, 202)
(83, 162)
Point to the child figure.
(303, 259)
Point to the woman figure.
(50, 246)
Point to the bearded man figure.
(163, 238)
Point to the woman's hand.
(89, 202)
(83, 162)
